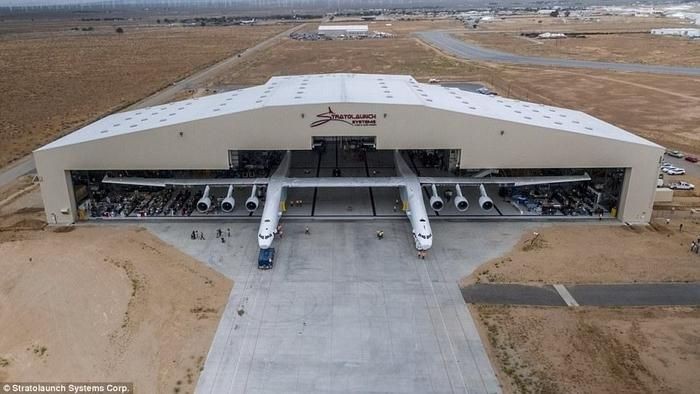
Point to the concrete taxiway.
(345, 312)
(452, 45)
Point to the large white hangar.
(349, 145)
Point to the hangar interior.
(349, 156)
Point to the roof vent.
(103, 131)
(472, 107)
(588, 128)
(162, 120)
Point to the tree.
(120, 30)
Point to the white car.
(676, 171)
(666, 164)
(682, 185)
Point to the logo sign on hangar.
(352, 119)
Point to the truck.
(266, 258)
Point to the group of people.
(422, 254)
(199, 235)
(695, 246)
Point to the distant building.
(343, 30)
(681, 31)
(549, 35)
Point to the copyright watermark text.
(100, 387)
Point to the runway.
(454, 46)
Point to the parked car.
(676, 171)
(666, 164)
(675, 153)
(691, 159)
(682, 185)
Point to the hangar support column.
(57, 193)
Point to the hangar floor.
(345, 312)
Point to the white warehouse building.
(322, 121)
(343, 30)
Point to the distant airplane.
(248, 22)
(409, 184)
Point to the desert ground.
(588, 349)
(56, 80)
(602, 23)
(592, 350)
(603, 254)
(642, 48)
(100, 303)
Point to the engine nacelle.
(204, 203)
(435, 201)
(252, 202)
(485, 202)
(461, 203)
(229, 202)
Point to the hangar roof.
(347, 88)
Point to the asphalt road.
(448, 43)
(634, 294)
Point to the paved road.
(512, 294)
(634, 294)
(15, 170)
(448, 43)
(344, 312)
(26, 164)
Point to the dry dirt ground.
(576, 253)
(55, 80)
(592, 350)
(101, 303)
(540, 23)
(662, 108)
(402, 54)
(623, 48)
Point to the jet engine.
(435, 201)
(252, 202)
(204, 203)
(229, 202)
(485, 202)
(461, 202)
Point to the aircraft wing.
(345, 182)
(503, 181)
(163, 182)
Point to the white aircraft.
(248, 22)
(409, 184)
